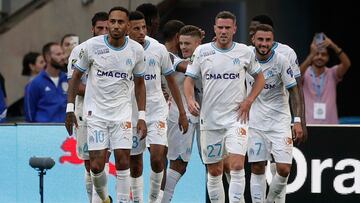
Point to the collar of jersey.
(267, 60)
(222, 50)
(115, 48)
(275, 45)
(147, 44)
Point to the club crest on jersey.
(269, 74)
(236, 61)
(290, 72)
(129, 62)
(152, 62)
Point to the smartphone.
(319, 38)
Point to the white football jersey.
(271, 110)
(223, 81)
(290, 54)
(174, 111)
(73, 58)
(110, 77)
(157, 63)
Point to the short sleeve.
(253, 67)
(73, 58)
(139, 69)
(294, 63)
(193, 69)
(166, 65)
(82, 62)
(287, 75)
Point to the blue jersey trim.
(291, 85)
(191, 75)
(139, 75)
(147, 44)
(275, 45)
(269, 59)
(79, 68)
(115, 48)
(222, 50)
(176, 64)
(171, 71)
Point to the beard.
(117, 35)
(58, 66)
(261, 52)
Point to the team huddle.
(234, 98)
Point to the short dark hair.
(66, 36)
(263, 19)
(29, 58)
(264, 27)
(47, 48)
(190, 30)
(225, 15)
(136, 15)
(99, 16)
(149, 10)
(119, 8)
(171, 28)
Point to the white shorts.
(180, 145)
(109, 134)
(138, 145)
(81, 139)
(263, 144)
(156, 133)
(217, 143)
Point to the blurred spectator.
(68, 42)
(2, 85)
(45, 97)
(152, 18)
(3, 108)
(99, 23)
(320, 81)
(33, 63)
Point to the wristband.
(297, 120)
(70, 107)
(141, 115)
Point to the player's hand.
(183, 123)
(243, 110)
(70, 121)
(194, 107)
(298, 134)
(141, 128)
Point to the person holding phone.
(319, 81)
